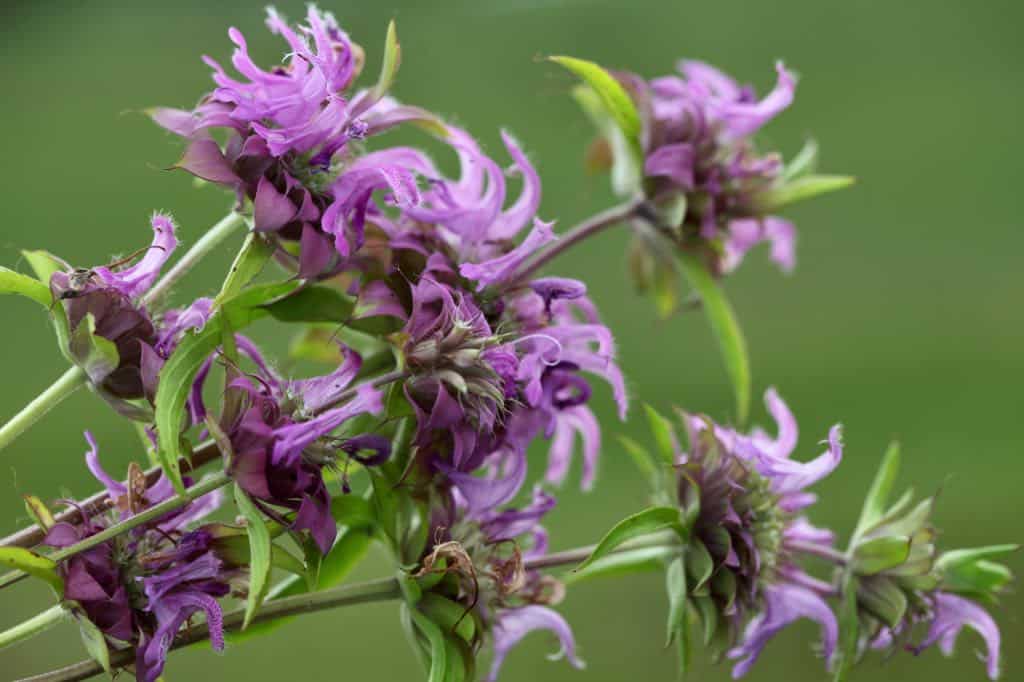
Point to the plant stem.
(827, 553)
(579, 554)
(155, 512)
(100, 502)
(67, 384)
(383, 589)
(34, 625)
(207, 243)
(587, 228)
(75, 377)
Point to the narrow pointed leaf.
(437, 650)
(613, 97)
(259, 554)
(313, 304)
(35, 565)
(12, 282)
(849, 624)
(874, 504)
(878, 554)
(39, 512)
(643, 523)
(664, 436)
(624, 563)
(675, 583)
(95, 643)
(800, 189)
(249, 263)
(44, 264)
(731, 343)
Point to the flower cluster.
(741, 501)
(448, 357)
(138, 589)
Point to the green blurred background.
(903, 319)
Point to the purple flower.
(783, 604)
(699, 157)
(951, 614)
(290, 134)
(743, 491)
(514, 624)
(182, 582)
(278, 458)
(141, 587)
(487, 550)
(111, 298)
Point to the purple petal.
(271, 209)
(137, 279)
(114, 488)
(783, 605)
(953, 614)
(204, 159)
(503, 267)
(514, 624)
(674, 161)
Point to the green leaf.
(180, 370)
(249, 263)
(176, 378)
(349, 549)
(799, 189)
(313, 304)
(39, 512)
(641, 457)
(627, 166)
(675, 584)
(664, 436)
(93, 353)
(12, 282)
(624, 563)
(35, 565)
(449, 615)
(643, 523)
(879, 554)
(44, 264)
(970, 571)
(699, 565)
(259, 554)
(731, 343)
(352, 510)
(849, 624)
(961, 557)
(883, 599)
(390, 63)
(437, 650)
(613, 97)
(95, 643)
(803, 163)
(874, 504)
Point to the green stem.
(154, 512)
(587, 228)
(34, 625)
(67, 384)
(580, 554)
(75, 377)
(383, 589)
(207, 243)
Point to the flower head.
(740, 494)
(295, 136)
(141, 587)
(106, 300)
(488, 554)
(279, 434)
